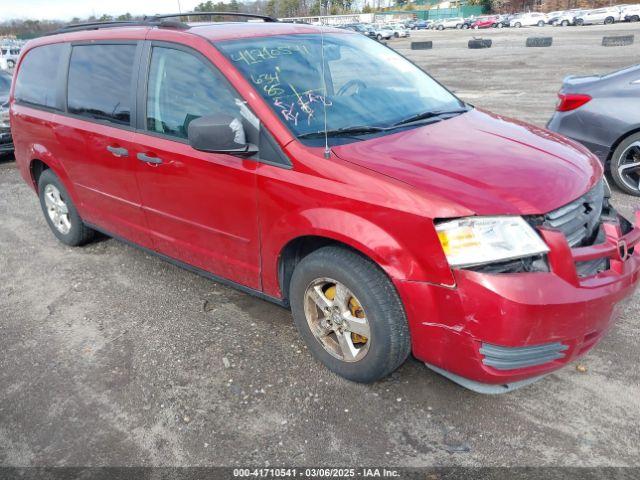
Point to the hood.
(483, 162)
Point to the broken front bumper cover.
(493, 333)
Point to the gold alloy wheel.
(337, 319)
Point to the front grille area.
(509, 358)
(580, 219)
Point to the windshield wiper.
(428, 115)
(345, 132)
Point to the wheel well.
(619, 141)
(37, 167)
(299, 248)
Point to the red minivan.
(319, 169)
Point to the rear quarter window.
(36, 79)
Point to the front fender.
(407, 254)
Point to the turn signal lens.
(571, 101)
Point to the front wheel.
(609, 20)
(625, 165)
(518, 25)
(465, 27)
(500, 25)
(349, 314)
(11, 63)
(565, 23)
(541, 23)
(379, 37)
(60, 212)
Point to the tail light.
(571, 101)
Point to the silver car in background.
(603, 113)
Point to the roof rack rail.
(264, 18)
(154, 21)
(77, 27)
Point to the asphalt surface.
(110, 356)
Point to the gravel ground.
(110, 356)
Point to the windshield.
(367, 83)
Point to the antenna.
(327, 150)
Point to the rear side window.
(36, 81)
(100, 82)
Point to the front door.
(200, 207)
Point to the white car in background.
(529, 20)
(630, 13)
(605, 16)
(399, 31)
(567, 18)
(382, 33)
(10, 54)
(454, 22)
(4, 65)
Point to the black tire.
(465, 26)
(564, 23)
(609, 20)
(617, 160)
(440, 27)
(11, 63)
(390, 340)
(579, 22)
(539, 41)
(517, 25)
(79, 233)
(396, 34)
(541, 23)
(379, 37)
(477, 43)
(634, 18)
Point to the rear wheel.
(465, 26)
(625, 165)
(60, 212)
(579, 22)
(565, 23)
(517, 25)
(500, 25)
(609, 20)
(349, 314)
(11, 63)
(541, 23)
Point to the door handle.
(118, 151)
(143, 157)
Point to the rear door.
(201, 207)
(96, 133)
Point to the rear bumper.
(477, 330)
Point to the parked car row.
(563, 18)
(379, 32)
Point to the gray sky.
(67, 9)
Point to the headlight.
(477, 240)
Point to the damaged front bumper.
(493, 333)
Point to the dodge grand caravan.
(319, 169)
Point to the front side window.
(183, 87)
(367, 84)
(100, 82)
(36, 80)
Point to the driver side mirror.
(219, 133)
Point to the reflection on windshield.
(367, 84)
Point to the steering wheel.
(355, 83)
